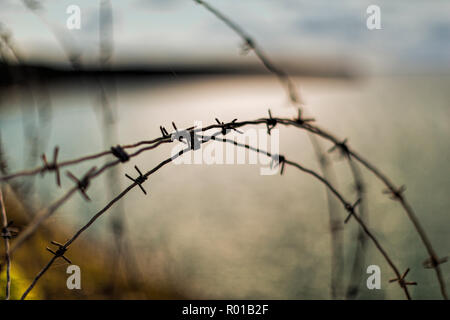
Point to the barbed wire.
(250, 44)
(6, 234)
(342, 145)
(336, 225)
(55, 166)
(361, 238)
(350, 208)
(358, 260)
(63, 248)
(280, 161)
(80, 185)
(397, 194)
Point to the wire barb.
(395, 194)
(82, 184)
(52, 166)
(139, 180)
(120, 153)
(351, 209)
(300, 120)
(402, 282)
(227, 127)
(192, 140)
(278, 160)
(8, 232)
(432, 263)
(342, 147)
(59, 253)
(164, 132)
(247, 46)
(271, 123)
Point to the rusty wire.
(281, 161)
(306, 125)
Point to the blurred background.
(224, 231)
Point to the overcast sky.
(415, 34)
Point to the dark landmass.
(31, 73)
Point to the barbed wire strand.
(358, 259)
(42, 169)
(281, 161)
(252, 45)
(324, 134)
(335, 223)
(98, 215)
(47, 212)
(347, 205)
(357, 272)
(6, 235)
(434, 260)
(396, 194)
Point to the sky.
(414, 36)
